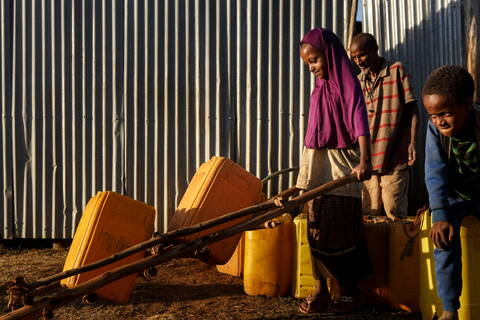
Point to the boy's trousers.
(388, 192)
(448, 262)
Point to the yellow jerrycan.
(303, 282)
(470, 298)
(429, 302)
(268, 259)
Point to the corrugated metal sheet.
(6, 200)
(424, 35)
(133, 96)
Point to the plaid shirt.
(386, 97)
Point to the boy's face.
(448, 117)
(314, 59)
(363, 58)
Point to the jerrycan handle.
(270, 224)
(266, 225)
(411, 230)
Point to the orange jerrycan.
(219, 186)
(268, 258)
(234, 266)
(110, 223)
(303, 282)
(375, 288)
(470, 298)
(403, 265)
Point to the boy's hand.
(441, 234)
(412, 153)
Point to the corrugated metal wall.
(132, 96)
(424, 35)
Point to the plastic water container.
(303, 282)
(375, 288)
(220, 186)
(234, 266)
(110, 223)
(470, 298)
(429, 301)
(395, 276)
(403, 266)
(268, 259)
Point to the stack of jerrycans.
(394, 256)
(219, 186)
(110, 223)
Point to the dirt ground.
(183, 289)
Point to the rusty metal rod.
(64, 296)
(252, 210)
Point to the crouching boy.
(452, 173)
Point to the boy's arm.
(406, 87)
(412, 153)
(436, 178)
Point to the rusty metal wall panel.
(133, 96)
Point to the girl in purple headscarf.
(336, 144)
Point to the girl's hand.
(363, 171)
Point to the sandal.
(347, 304)
(314, 304)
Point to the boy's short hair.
(452, 81)
(368, 40)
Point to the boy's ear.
(373, 51)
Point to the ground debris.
(183, 289)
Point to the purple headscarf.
(337, 115)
